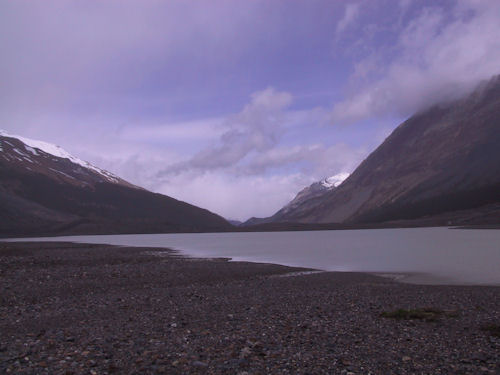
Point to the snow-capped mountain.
(46, 190)
(315, 190)
(304, 199)
(52, 160)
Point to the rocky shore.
(98, 309)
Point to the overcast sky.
(234, 105)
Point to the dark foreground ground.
(92, 309)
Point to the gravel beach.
(98, 309)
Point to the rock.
(345, 362)
(199, 364)
(245, 352)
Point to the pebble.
(199, 364)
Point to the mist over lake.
(424, 255)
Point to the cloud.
(351, 13)
(236, 197)
(314, 160)
(438, 55)
(250, 190)
(255, 129)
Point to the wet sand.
(97, 309)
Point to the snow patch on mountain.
(32, 150)
(334, 181)
(32, 145)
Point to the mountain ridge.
(43, 193)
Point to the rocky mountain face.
(441, 166)
(45, 190)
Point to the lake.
(418, 255)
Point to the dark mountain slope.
(45, 194)
(443, 160)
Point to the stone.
(199, 364)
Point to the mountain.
(439, 167)
(312, 193)
(305, 199)
(46, 190)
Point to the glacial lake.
(416, 255)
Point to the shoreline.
(268, 227)
(84, 309)
(409, 277)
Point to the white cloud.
(317, 160)
(255, 129)
(351, 13)
(439, 55)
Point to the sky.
(234, 105)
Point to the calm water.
(424, 255)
